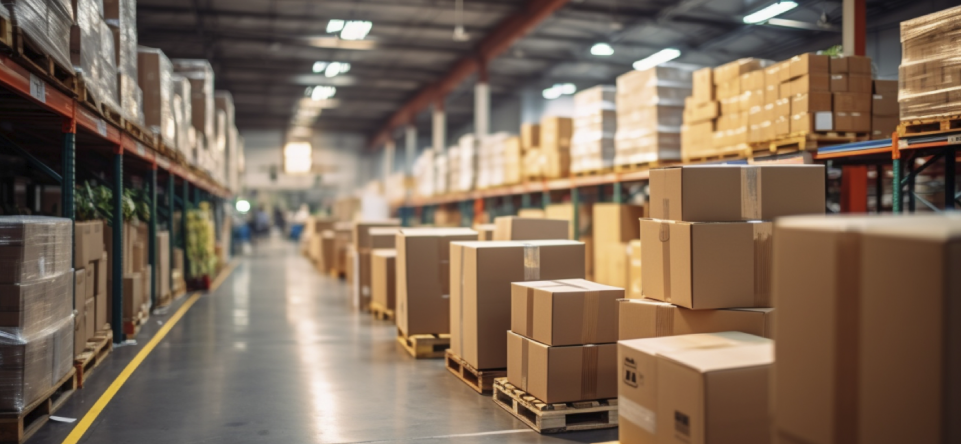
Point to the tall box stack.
(555, 149)
(121, 18)
(92, 53)
(423, 278)
(203, 115)
(440, 173)
(701, 110)
(561, 344)
(930, 71)
(154, 72)
(227, 170)
(491, 160)
(513, 161)
(367, 237)
(47, 23)
(180, 106)
(615, 225)
(650, 105)
(738, 85)
(856, 360)
(481, 273)
(885, 114)
(424, 174)
(828, 94)
(37, 293)
(595, 123)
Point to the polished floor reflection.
(275, 354)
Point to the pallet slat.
(482, 381)
(96, 352)
(935, 125)
(558, 417)
(424, 346)
(382, 313)
(18, 427)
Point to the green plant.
(136, 204)
(94, 202)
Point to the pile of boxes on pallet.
(368, 236)
(930, 71)
(461, 159)
(36, 320)
(499, 161)
(649, 108)
(91, 300)
(595, 122)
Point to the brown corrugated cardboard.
(812, 122)
(383, 277)
(381, 238)
(704, 388)
(79, 330)
(613, 264)
(361, 231)
(328, 250)
(132, 296)
(812, 103)
(565, 311)
(852, 103)
(362, 279)
(810, 83)
(706, 265)
(88, 241)
(782, 126)
(481, 274)
(100, 311)
(616, 223)
(89, 311)
(647, 318)
(886, 87)
(883, 127)
(530, 213)
(885, 105)
(562, 374)
(840, 290)
(507, 228)
(852, 83)
(485, 232)
(782, 108)
(805, 64)
(852, 122)
(565, 211)
(80, 288)
(634, 269)
(851, 65)
(424, 278)
(720, 193)
(89, 279)
(703, 85)
(530, 136)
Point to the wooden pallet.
(808, 142)
(482, 381)
(592, 172)
(143, 135)
(382, 313)
(35, 59)
(164, 300)
(741, 151)
(97, 350)
(18, 427)
(922, 127)
(89, 99)
(558, 417)
(132, 328)
(424, 346)
(637, 166)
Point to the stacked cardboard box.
(492, 158)
(343, 240)
(462, 159)
(856, 360)
(930, 71)
(37, 291)
(121, 19)
(706, 388)
(383, 278)
(154, 74)
(555, 150)
(481, 274)
(203, 113)
(92, 53)
(47, 23)
(423, 276)
(615, 225)
(885, 114)
(368, 236)
(650, 105)
(512, 228)
(560, 347)
(163, 268)
(595, 123)
(90, 258)
(530, 136)
(424, 174)
(181, 109)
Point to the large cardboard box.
(707, 265)
(88, 241)
(383, 279)
(852, 122)
(361, 231)
(565, 311)
(562, 374)
(80, 287)
(510, 228)
(485, 232)
(851, 65)
(634, 270)
(809, 63)
(424, 278)
(381, 238)
(613, 264)
(705, 388)
(481, 274)
(857, 360)
(811, 103)
(132, 296)
(616, 223)
(29, 307)
(647, 318)
(721, 193)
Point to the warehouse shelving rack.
(46, 126)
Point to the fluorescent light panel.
(298, 157)
(771, 11)
(356, 30)
(662, 56)
(559, 89)
(602, 49)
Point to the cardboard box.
(383, 277)
(812, 122)
(734, 70)
(88, 241)
(634, 269)
(851, 65)
(851, 83)
(423, 268)
(381, 238)
(79, 333)
(361, 231)
(722, 193)
(137, 259)
(89, 311)
(30, 307)
(705, 388)
(812, 103)
(616, 223)
(565, 211)
(328, 251)
(703, 85)
(530, 213)
(810, 83)
(613, 264)
(132, 296)
(839, 289)
(885, 105)
(805, 64)
(509, 228)
(852, 103)
(80, 288)
(350, 264)
(89, 279)
(707, 265)
(647, 318)
(480, 303)
(883, 127)
(782, 108)
(886, 87)
(565, 311)
(530, 136)
(562, 374)
(782, 126)
(101, 311)
(361, 297)
(852, 122)
(485, 232)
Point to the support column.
(389, 149)
(152, 242)
(171, 239)
(482, 103)
(854, 189)
(854, 31)
(439, 126)
(116, 256)
(575, 218)
(410, 148)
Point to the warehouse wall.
(338, 154)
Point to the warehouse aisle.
(275, 354)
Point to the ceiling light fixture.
(298, 157)
(336, 68)
(335, 25)
(356, 30)
(320, 92)
(773, 10)
(662, 56)
(559, 89)
(602, 49)
(319, 66)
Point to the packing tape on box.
(664, 320)
(525, 353)
(763, 257)
(589, 313)
(664, 235)
(532, 262)
(750, 193)
(637, 414)
(589, 356)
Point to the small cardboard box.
(634, 269)
(851, 65)
(725, 193)
(886, 87)
(562, 374)
(565, 311)
(381, 238)
(694, 388)
(423, 267)
(79, 332)
(132, 296)
(80, 287)
(852, 103)
(812, 103)
(481, 274)
(885, 105)
(809, 63)
(88, 241)
(851, 83)
(616, 223)
(89, 311)
(809, 83)
(361, 231)
(485, 232)
(383, 277)
(510, 228)
(852, 122)
(647, 318)
(707, 265)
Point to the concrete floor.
(275, 354)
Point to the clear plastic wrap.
(201, 77)
(121, 17)
(224, 101)
(32, 364)
(930, 72)
(424, 173)
(92, 53)
(650, 109)
(4, 12)
(156, 80)
(595, 124)
(34, 247)
(46, 23)
(29, 307)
